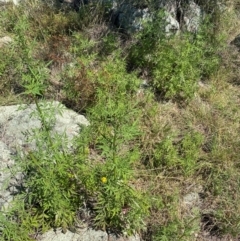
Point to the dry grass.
(214, 112)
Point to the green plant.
(176, 63)
(175, 230)
(175, 74)
(8, 74)
(11, 227)
(12, 62)
(48, 201)
(183, 154)
(92, 13)
(47, 20)
(190, 150)
(51, 191)
(113, 130)
(108, 44)
(78, 84)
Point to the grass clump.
(183, 155)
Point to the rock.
(120, 238)
(58, 235)
(172, 25)
(84, 234)
(191, 206)
(132, 19)
(94, 235)
(124, 15)
(5, 40)
(5, 161)
(168, 5)
(185, 13)
(192, 17)
(191, 199)
(17, 122)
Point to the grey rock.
(172, 25)
(132, 19)
(5, 175)
(191, 204)
(189, 10)
(58, 235)
(84, 234)
(18, 121)
(121, 238)
(191, 199)
(94, 235)
(192, 17)
(5, 155)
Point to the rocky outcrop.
(131, 15)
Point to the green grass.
(145, 151)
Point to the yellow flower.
(104, 179)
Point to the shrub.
(113, 131)
(79, 88)
(176, 63)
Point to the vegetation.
(146, 150)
